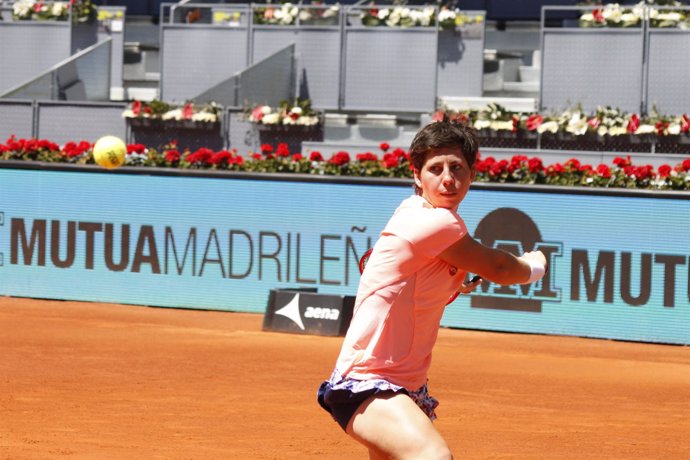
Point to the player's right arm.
(495, 265)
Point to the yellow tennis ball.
(109, 152)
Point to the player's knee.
(433, 451)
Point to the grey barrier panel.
(668, 71)
(268, 81)
(83, 76)
(195, 57)
(318, 66)
(241, 134)
(461, 60)
(28, 48)
(61, 122)
(389, 69)
(115, 29)
(16, 118)
(318, 50)
(593, 67)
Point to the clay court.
(103, 381)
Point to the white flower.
(128, 113)
(393, 19)
(577, 124)
(331, 12)
(58, 9)
(550, 126)
(296, 110)
(270, 119)
(205, 117)
(445, 15)
(645, 129)
(308, 121)
(304, 15)
(617, 131)
(22, 8)
(265, 110)
(404, 12)
(674, 129)
(383, 13)
(289, 121)
(175, 114)
(502, 125)
(602, 131)
(482, 124)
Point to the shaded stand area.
(188, 134)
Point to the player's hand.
(470, 285)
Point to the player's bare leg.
(392, 426)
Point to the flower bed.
(606, 129)
(384, 163)
(40, 10)
(615, 15)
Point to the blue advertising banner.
(618, 263)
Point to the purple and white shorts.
(342, 396)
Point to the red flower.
(266, 148)
(438, 115)
(516, 123)
(555, 169)
(534, 121)
(72, 149)
(594, 122)
(664, 170)
(384, 146)
(201, 156)
(341, 158)
(622, 162)
(220, 158)
(573, 164)
(315, 156)
(586, 169)
(661, 127)
(599, 16)
(498, 168)
(535, 165)
(135, 148)
(484, 165)
(604, 171)
(367, 156)
(172, 156)
(685, 124)
(257, 113)
(136, 108)
(297, 157)
(188, 111)
(633, 124)
(685, 165)
(283, 150)
(256, 156)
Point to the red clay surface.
(102, 381)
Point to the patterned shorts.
(342, 396)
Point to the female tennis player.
(378, 390)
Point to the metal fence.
(636, 69)
(340, 63)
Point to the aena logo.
(292, 312)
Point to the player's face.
(445, 177)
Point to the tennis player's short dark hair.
(444, 133)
